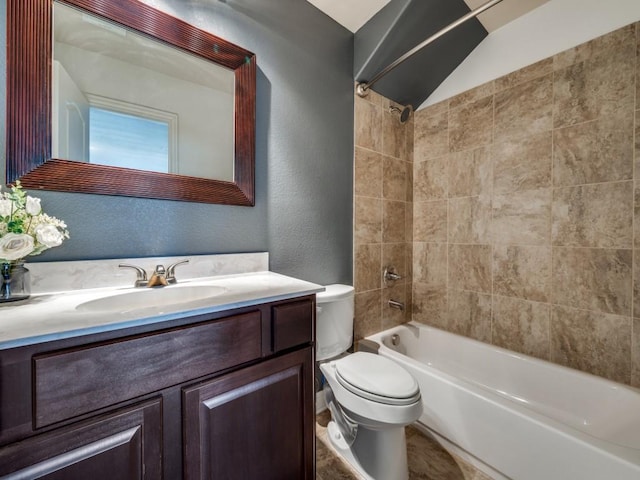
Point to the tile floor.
(428, 460)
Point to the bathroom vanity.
(214, 392)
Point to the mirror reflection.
(122, 99)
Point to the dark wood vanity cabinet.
(220, 396)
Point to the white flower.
(14, 246)
(33, 205)
(44, 218)
(5, 207)
(49, 235)
(24, 228)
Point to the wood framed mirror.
(29, 106)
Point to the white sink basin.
(144, 298)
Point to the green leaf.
(15, 226)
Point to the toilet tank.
(334, 321)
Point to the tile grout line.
(491, 227)
(553, 193)
(448, 220)
(633, 219)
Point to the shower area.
(384, 145)
(509, 210)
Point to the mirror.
(60, 109)
(122, 99)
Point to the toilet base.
(375, 454)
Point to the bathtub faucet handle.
(390, 274)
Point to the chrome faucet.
(159, 278)
(390, 275)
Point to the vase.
(16, 282)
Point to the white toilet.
(371, 398)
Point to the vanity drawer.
(72, 382)
(293, 324)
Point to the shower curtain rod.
(363, 87)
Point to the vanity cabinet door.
(123, 445)
(253, 423)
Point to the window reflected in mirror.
(123, 140)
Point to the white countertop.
(54, 316)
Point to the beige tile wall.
(383, 215)
(526, 213)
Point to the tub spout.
(394, 304)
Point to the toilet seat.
(377, 378)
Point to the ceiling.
(353, 14)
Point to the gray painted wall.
(304, 154)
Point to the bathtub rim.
(512, 353)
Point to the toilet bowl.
(371, 398)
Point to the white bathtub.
(526, 418)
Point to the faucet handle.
(390, 275)
(171, 275)
(141, 274)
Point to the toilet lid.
(377, 378)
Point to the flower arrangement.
(24, 228)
